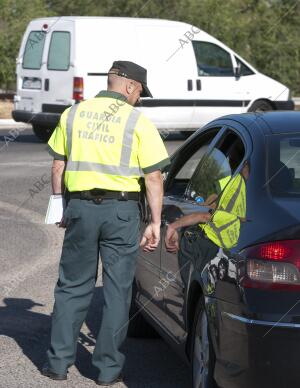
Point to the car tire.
(202, 354)
(261, 106)
(43, 133)
(138, 327)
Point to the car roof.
(278, 122)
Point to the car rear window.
(59, 51)
(32, 57)
(284, 165)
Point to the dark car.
(236, 318)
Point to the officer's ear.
(130, 87)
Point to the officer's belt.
(98, 195)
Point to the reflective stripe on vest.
(234, 197)
(218, 231)
(70, 120)
(123, 168)
(228, 209)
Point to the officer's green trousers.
(113, 228)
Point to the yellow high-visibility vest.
(224, 227)
(107, 143)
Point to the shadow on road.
(17, 135)
(149, 362)
(145, 358)
(31, 330)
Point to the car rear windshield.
(284, 165)
(59, 51)
(32, 58)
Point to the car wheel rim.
(201, 354)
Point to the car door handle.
(198, 84)
(189, 85)
(46, 86)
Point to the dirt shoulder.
(6, 106)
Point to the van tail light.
(78, 88)
(273, 265)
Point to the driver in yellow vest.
(221, 224)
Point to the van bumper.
(284, 105)
(42, 118)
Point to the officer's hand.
(172, 239)
(151, 237)
(61, 224)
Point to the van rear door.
(30, 69)
(58, 68)
(44, 67)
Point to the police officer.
(101, 147)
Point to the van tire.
(261, 106)
(43, 133)
(138, 327)
(187, 134)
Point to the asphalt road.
(29, 255)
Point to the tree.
(264, 32)
(14, 17)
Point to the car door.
(174, 273)
(149, 279)
(218, 161)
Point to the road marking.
(24, 163)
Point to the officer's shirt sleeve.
(152, 153)
(57, 144)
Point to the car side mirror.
(237, 71)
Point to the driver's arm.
(172, 237)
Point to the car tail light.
(77, 88)
(274, 265)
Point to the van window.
(212, 60)
(245, 70)
(59, 51)
(32, 58)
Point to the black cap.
(133, 71)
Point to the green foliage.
(264, 32)
(14, 17)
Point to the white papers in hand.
(55, 209)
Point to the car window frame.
(176, 165)
(269, 140)
(225, 130)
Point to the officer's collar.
(110, 94)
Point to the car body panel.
(254, 331)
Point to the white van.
(193, 77)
